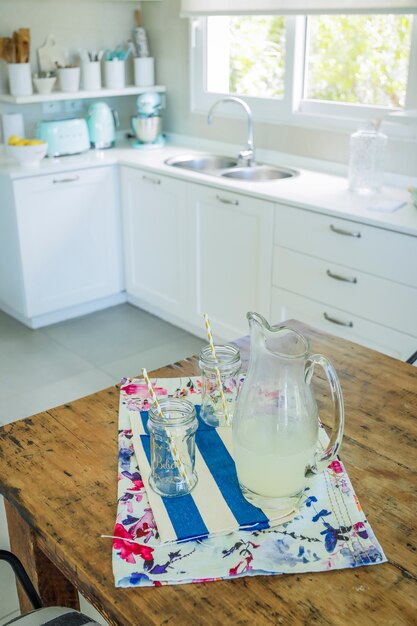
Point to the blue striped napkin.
(216, 505)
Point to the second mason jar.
(228, 362)
(173, 447)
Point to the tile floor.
(43, 368)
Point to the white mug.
(114, 74)
(144, 70)
(20, 79)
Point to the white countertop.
(313, 190)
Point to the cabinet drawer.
(63, 180)
(370, 297)
(287, 305)
(373, 250)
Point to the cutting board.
(50, 54)
(7, 52)
(22, 45)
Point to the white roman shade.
(191, 8)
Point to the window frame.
(266, 109)
(293, 109)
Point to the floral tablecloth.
(329, 532)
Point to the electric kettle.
(102, 122)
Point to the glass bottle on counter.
(366, 162)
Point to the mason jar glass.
(173, 447)
(366, 160)
(212, 406)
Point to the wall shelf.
(80, 95)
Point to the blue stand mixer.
(147, 124)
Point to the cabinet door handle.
(227, 201)
(342, 231)
(73, 179)
(334, 320)
(345, 279)
(152, 179)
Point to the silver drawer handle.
(342, 231)
(66, 180)
(152, 179)
(227, 201)
(334, 320)
(345, 279)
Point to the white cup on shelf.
(91, 76)
(20, 79)
(114, 74)
(69, 79)
(144, 71)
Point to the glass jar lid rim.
(229, 355)
(183, 410)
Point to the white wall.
(87, 24)
(168, 35)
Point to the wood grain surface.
(55, 464)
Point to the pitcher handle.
(321, 462)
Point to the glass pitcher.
(276, 422)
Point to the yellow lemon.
(13, 140)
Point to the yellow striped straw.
(152, 392)
(173, 448)
(216, 369)
(210, 336)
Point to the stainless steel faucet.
(247, 156)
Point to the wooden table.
(54, 464)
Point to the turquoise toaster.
(64, 136)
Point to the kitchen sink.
(259, 173)
(229, 167)
(203, 163)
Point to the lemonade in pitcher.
(276, 423)
(271, 464)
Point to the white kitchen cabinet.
(156, 227)
(191, 249)
(232, 243)
(66, 250)
(348, 278)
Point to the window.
(246, 55)
(339, 67)
(361, 59)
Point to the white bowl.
(28, 156)
(44, 85)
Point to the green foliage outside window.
(257, 56)
(357, 59)
(360, 59)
